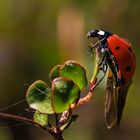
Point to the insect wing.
(115, 100)
(122, 94)
(111, 109)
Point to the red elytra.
(124, 55)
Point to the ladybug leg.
(116, 72)
(102, 61)
(99, 44)
(118, 81)
(104, 70)
(103, 66)
(110, 60)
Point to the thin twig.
(55, 133)
(93, 81)
(12, 105)
(20, 118)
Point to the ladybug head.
(98, 33)
(93, 33)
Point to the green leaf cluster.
(67, 81)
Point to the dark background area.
(36, 35)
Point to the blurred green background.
(35, 35)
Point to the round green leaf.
(40, 118)
(54, 72)
(39, 97)
(65, 92)
(75, 72)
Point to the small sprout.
(40, 118)
(54, 72)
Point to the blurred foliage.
(35, 35)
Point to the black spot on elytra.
(128, 68)
(130, 49)
(117, 48)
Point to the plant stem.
(56, 132)
(58, 137)
(56, 120)
(20, 119)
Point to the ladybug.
(119, 57)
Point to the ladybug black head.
(93, 33)
(98, 33)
